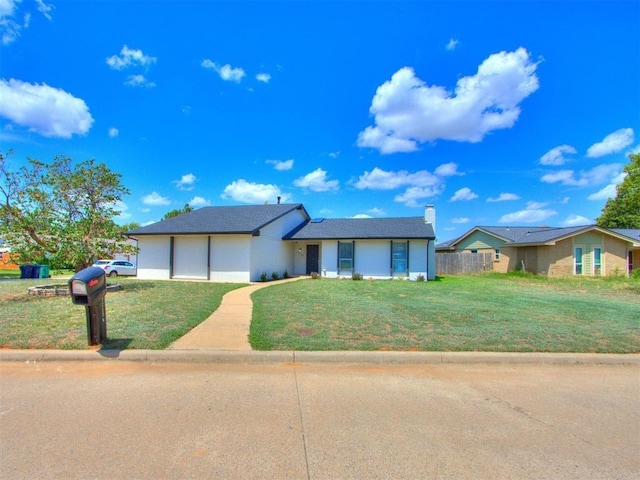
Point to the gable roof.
(526, 236)
(363, 228)
(245, 219)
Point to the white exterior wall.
(230, 258)
(418, 259)
(269, 253)
(190, 256)
(431, 273)
(153, 257)
(329, 258)
(372, 258)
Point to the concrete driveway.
(118, 419)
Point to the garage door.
(190, 257)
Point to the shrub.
(315, 275)
(285, 274)
(635, 273)
(263, 277)
(275, 276)
(356, 276)
(420, 278)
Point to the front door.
(313, 255)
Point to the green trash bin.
(44, 271)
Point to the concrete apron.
(228, 327)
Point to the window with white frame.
(597, 260)
(578, 254)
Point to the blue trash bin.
(26, 271)
(35, 271)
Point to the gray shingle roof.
(544, 235)
(210, 220)
(629, 232)
(518, 236)
(363, 228)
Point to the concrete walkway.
(228, 327)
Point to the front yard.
(144, 315)
(502, 313)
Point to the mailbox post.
(88, 287)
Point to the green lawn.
(503, 313)
(144, 315)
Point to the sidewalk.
(228, 327)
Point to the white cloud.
(138, 81)
(504, 197)
(407, 111)
(413, 195)
(610, 191)
(45, 9)
(8, 7)
(198, 202)
(361, 215)
(49, 111)
(9, 28)
(463, 194)
(154, 199)
(533, 213)
(447, 170)
(576, 220)
(256, 193)
(419, 185)
(226, 72)
(596, 176)
(460, 220)
(263, 77)
(334, 154)
(281, 165)
(612, 143)
(114, 132)
(316, 181)
(378, 212)
(555, 156)
(186, 182)
(379, 179)
(130, 58)
(453, 43)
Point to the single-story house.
(241, 243)
(584, 250)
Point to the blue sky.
(498, 113)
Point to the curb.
(276, 357)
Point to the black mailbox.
(88, 286)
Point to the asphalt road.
(118, 419)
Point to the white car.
(113, 268)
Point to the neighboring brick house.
(584, 250)
(5, 257)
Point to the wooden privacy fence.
(460, 263)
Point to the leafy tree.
(623, 211)
(174, 213)
(61, 212)
(128, 227)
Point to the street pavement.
(318, 420)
